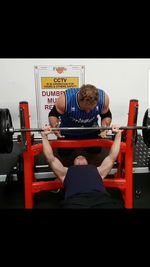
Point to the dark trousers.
(93, 200)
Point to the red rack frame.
(123, 178)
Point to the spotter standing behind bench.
(80, 107)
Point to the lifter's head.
(80, 160)
(88, 97)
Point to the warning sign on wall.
(50, 83)
(57, 83)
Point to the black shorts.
(93, 200)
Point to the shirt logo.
(72, 108)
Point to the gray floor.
(12, 195)
(141, 190)
(12, 192)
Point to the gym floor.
(12, 195)
(12, 192)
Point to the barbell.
(7, 130)
(102, 128)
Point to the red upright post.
(128, 193)
(28, 159)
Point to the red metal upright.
(132, 116)
(28, 159)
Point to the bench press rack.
(123, 178)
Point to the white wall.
(122, 79)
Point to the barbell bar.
(7, 130)
(102, 128)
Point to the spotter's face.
(87, 107)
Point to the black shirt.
(83, 179)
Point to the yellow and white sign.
(59, 83)
(50, 83)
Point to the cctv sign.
(50, 83)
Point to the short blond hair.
(89, 94)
